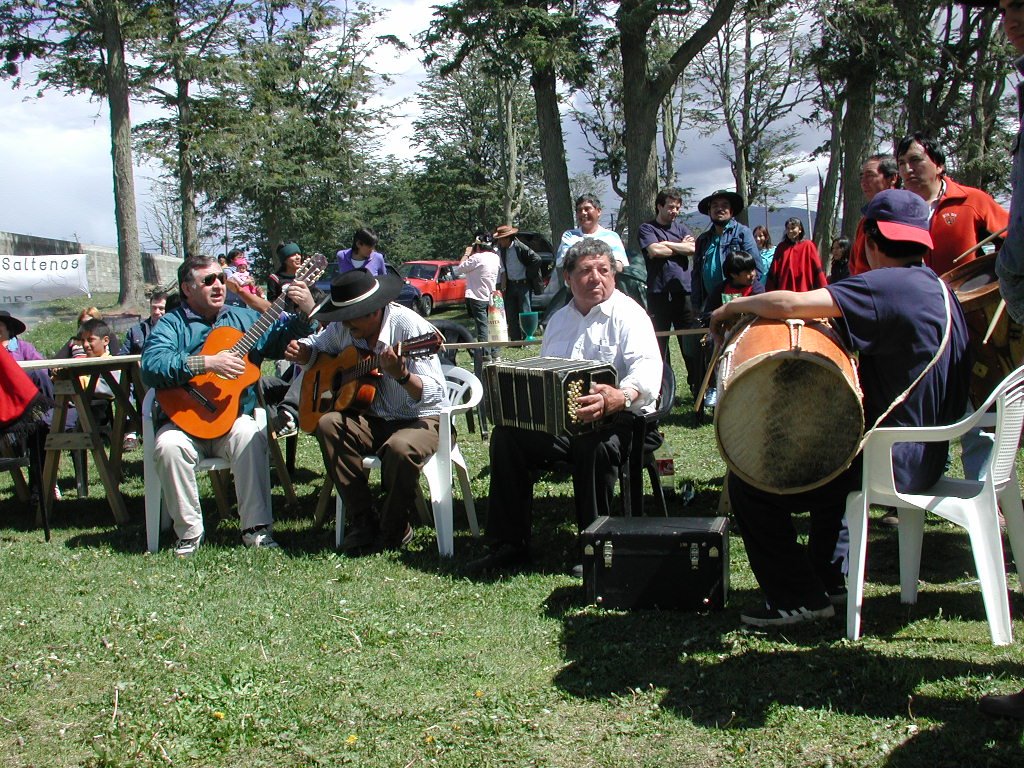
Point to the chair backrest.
(667, 398)
(1009, 420)
(464, 389)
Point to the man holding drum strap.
(895, 317)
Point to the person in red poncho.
(796, 265)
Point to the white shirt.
(572, 236)
(392, 402)
(481, 273)
(616, 331)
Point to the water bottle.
(664, 460)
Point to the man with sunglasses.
(173, 355)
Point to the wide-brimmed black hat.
(357, 293)
(735, 201)
(14, 325)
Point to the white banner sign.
(24, 279)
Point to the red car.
(437, 282)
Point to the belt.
(518, 282)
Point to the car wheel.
(426, 305)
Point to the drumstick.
(986, 241)
(698, 401)
(995, 320)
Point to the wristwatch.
(628, 400)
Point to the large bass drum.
(977, 288)
(789, 415)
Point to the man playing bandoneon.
(895, 316)
(598, 324)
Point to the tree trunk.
(186, 177)
(858, 133)
(116, 74)
(825, 216)
(552, 153)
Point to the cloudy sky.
(56, 150)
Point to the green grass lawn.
(112, 657)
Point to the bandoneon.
(540, 393)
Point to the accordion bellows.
(540, 393)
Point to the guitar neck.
(262, 324)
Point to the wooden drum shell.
(977, 289)
(790, 416)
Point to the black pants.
(517, 453)
(792, 575)
(673, 311)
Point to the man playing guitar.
(174, 358)
(401, 422)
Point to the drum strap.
(938, 354)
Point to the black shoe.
(357, 539)
(502, 557)
(577, 571)
(394, 545)
(1011, 705)
(767, 616)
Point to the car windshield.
(420, 271)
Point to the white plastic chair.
(157, 518)
(464, 393)
(972, 504)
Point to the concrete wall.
(104, 273)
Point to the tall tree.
(186, 48)
(283, 139)
(552, 38)
(752, 80)
(79, 47)
(645, 87)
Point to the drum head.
(789, 422)
(975, 283)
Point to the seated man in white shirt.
(599, 324)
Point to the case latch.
(694, 555)
(608, 554)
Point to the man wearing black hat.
(896, 316)
(402, 422)
(173, 355)
(724, 236)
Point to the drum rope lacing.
(935, 359)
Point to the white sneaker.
(259, 537)
(188, 547)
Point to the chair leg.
(987, 545)
(339, 520)
(281, 467)
(659, 492)
(459, 463)
(439, 482)
(1013, 513)
(911, 533)
(857, 522)
(80, 460)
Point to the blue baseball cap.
(901, 215)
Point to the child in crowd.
(242, 278)
(94, 336)
(741, 279)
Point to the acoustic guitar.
(348, 380)
(207, 406)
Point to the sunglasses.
(208, 280)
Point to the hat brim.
(388, 288)
(14, 326)
(904, 233)
(735, 202)
(510, 232)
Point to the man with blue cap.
(896, 316)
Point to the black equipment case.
(657, 562)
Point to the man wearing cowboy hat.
(402, 423)
(173, 355)
(519, 268)
(724, 236)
